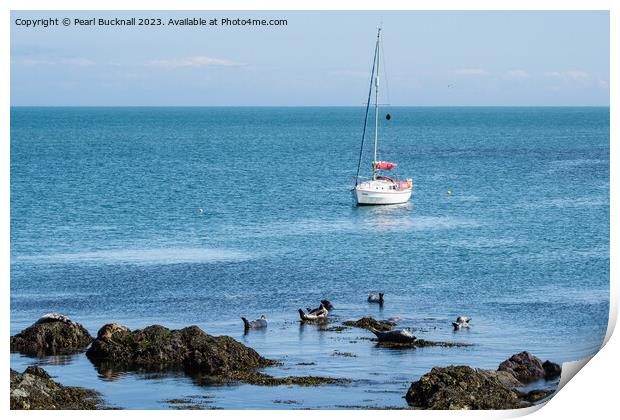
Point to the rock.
(335, 328)
(34, 390)
(51, 334)
(37, 371)
(462, 387)
(536, 395)
(157, 348)
(370, 323)
(507, 379)
(552, 370)
(524, 366)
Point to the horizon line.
(308, 106)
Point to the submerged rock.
(35, 390)
(334, 328)
(370, 323)
(258, 378)
(428, 343)
(536, 394)
(157, 348)
(462, 388)
(526, 367)
(421, 343)
(51, 334)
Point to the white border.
(591, 395)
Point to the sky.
(469, 58)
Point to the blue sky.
(319, 58)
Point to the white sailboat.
(380, 189)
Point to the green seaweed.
(258, 378)
(420, 343)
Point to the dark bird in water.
(376, 299)
(259, 323)
(388, 117)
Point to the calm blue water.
(105, 227)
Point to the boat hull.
(368, 197)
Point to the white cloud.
(78, 62)
(570, 76)
(195, 61)
(470, 72)
(516, 74)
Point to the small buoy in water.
(449, 192)
(388, 117)
(200, 210)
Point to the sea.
(184, 216)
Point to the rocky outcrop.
(370, 323)
(462, 388)
(158, 348)
(35, 390)
(527, 367)
(51, 334)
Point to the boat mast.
(374, 162)
(372, 76)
